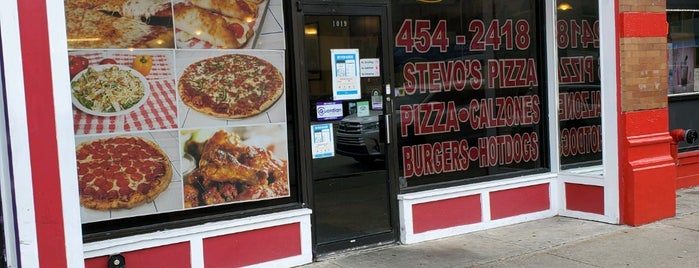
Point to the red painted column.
(38, 89)
(647, 170)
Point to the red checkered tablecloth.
(159, 111)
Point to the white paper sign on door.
(345, 72)
(369, 67)
(322, 144)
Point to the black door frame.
(299, 9)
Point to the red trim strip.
(635, 24)
(38, 89)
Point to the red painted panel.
(688, 170)
(585, 198)
(647, 170)
(647, 122)
(96, 262)
(253, 247)
(637, 24)
(650, 194)
(518, 201)
(446, 213)
(175, 255)
(38, 89)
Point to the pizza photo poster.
(230, 87)
(200, 24)
(121, 90)
(234, 164)
(128, 174)
(158, 97)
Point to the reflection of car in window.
(359, 137)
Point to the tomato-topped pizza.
(121, 172)
(239, 9)
(221, 31)
(216, 23)
(231, 86)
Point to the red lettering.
(493, 72)
(440, 162)
(582, 140)
(511, 73)
(534, 146)
(425, 126)
(441, 157)
(406, 119)
(473, 109)
(427, 159)
(476, 77)
(526, 154)
(517, 145)
(410, 83)
(408, 162)
(508, 149)
(435, 79)
(462, 155)
(452, 121)
(589, 69)
(500, 103)
(439, 126)
(460, 74)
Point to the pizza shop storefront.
(209, 134)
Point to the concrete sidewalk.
(553, 242)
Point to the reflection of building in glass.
(681, 70)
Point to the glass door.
(345, 53)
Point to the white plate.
(144, 83)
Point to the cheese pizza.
(231, 86)
(119, 24)
(133, 8)
(121, 172)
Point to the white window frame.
(609, 177)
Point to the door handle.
(387, 125)
(387, 117)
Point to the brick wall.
(643, 55)
(642, 6)
(644, 73)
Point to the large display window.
(470, 100)
(179, 111)
(683, 89)
(580, 95)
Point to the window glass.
(173, 119)
(682, 52)
(580, 101)
(683, 89)
(470, 91)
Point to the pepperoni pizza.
(121, 172)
